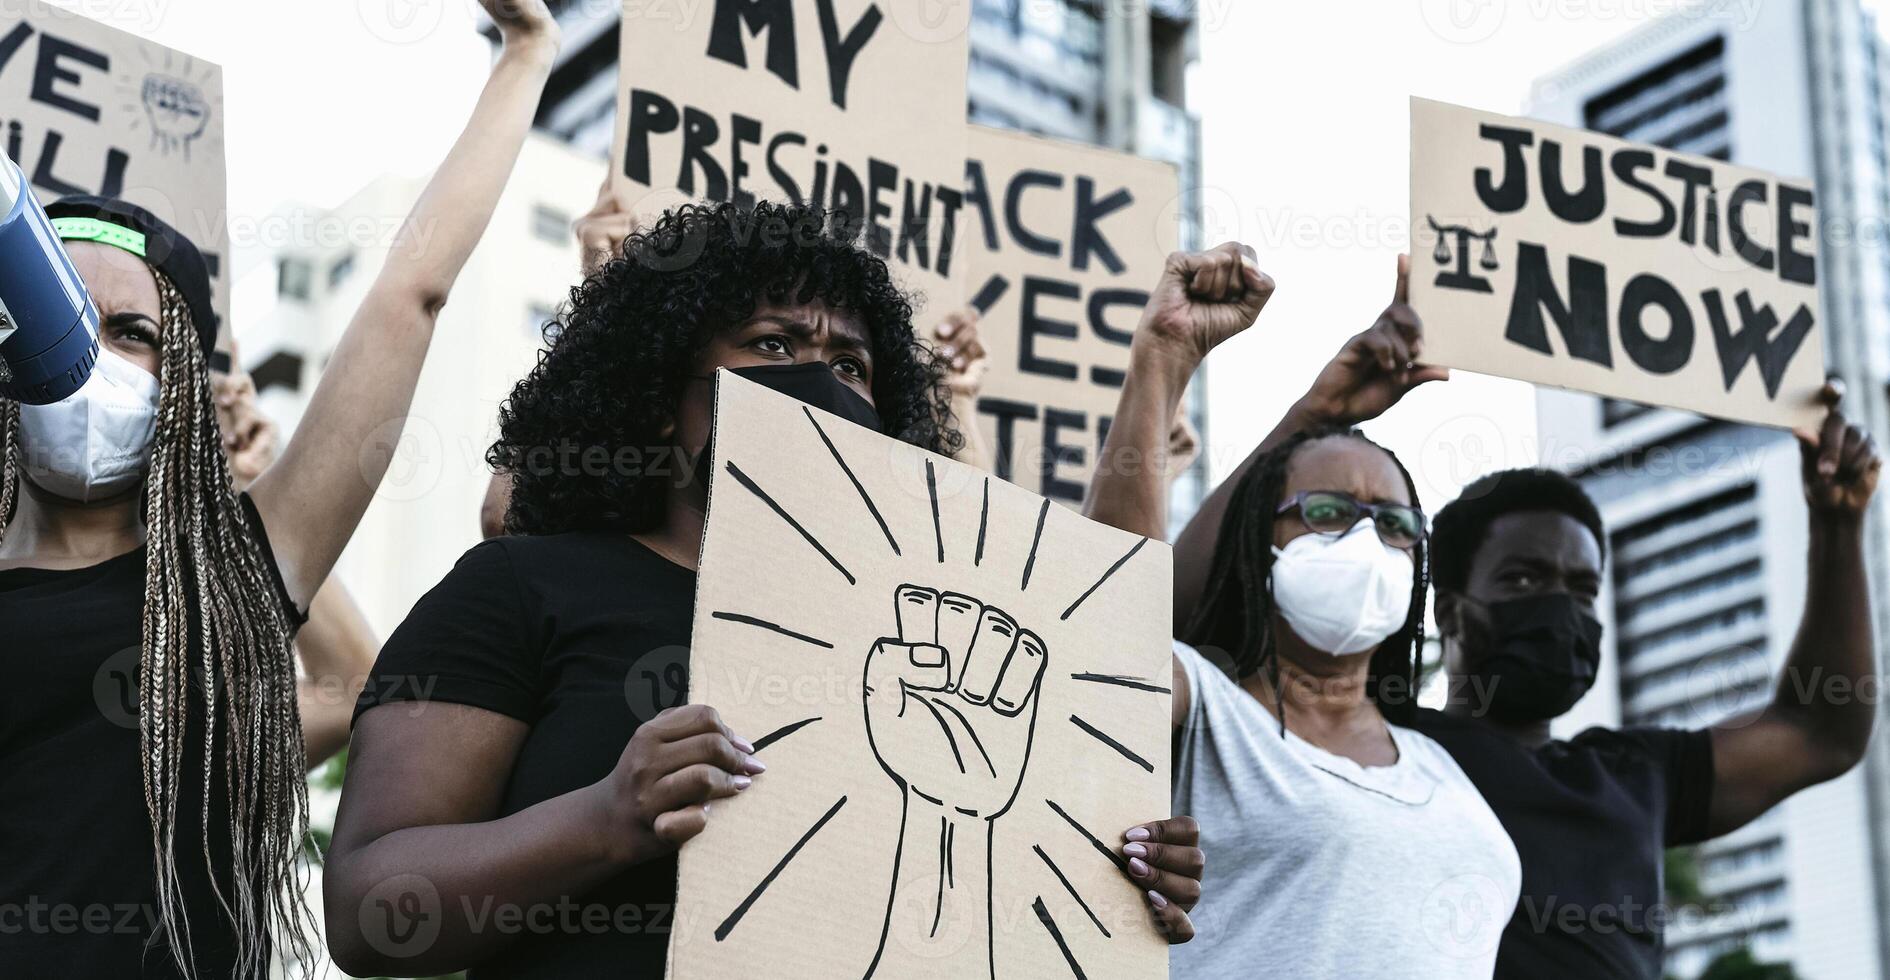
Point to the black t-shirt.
(77, 879)
(582, 636)
(1590, 818)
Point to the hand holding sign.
(1840, 463)
(1203, 298)
(1376, 368)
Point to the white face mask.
(97, 442)
(1343, 595)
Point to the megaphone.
(48, 325)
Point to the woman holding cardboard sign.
(523, 753)
(1360, 847)
(147, 608)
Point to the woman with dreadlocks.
(1358, 846)
(152, 805)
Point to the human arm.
(313, 497)
(1818, 724)
(1371, 373)
(336, 649)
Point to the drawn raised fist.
(951, 703)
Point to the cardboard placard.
(1065, 241)
(952, 808)
(90, 109)
(855, 105)
(1569, 258)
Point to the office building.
(1706, 519)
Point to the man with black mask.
(1516, 564)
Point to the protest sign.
(962, 696)
(89, 109)
(854, 105)
(1569, 258)
(1065, 242)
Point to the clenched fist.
(950, 702)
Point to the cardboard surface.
(856, 105)
(824, 548)
(1569, 258)
(100, 111)
(1065, 242)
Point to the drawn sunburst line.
(1105, 577)
(1072, 890)
(871, 507)
(747, 620)
(734, 918)
(1105, 739)
(780, 511)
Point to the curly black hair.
(1236, 610)
(622, 349)
(1463, 525)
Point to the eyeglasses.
(1332, 513)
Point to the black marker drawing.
(951, 711)
(1462, 277)
(950, 693)
(178, 113)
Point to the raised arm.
(314, 496)
(1202, 299)
(1819, 722)
(1369, 375)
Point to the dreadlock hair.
(216, 676)
(1236, 610)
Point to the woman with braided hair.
(1357, 842)
(152, 804)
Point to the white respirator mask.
(1343, 595)
(96, 443)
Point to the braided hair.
(216, 676)
(1236, 610)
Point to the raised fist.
(950, 703)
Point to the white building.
(426, 513)
(1707, 520)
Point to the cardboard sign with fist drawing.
(966, 698)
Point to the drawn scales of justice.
(961, 669)
(1461, 277)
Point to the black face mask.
(812, 383)
(1538, 657)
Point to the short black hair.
(1464, 524)
(622, 349)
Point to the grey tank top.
(1321, 869)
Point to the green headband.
(103, 232)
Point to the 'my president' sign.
(1568, 258)
(857, 106)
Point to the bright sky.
(1304, 133)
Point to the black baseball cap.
(162, 247)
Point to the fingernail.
(1138, 868)
(754, 765)
(1827, 467)
(1137, 833)
(743, 744)
(742, 783)
(1156, 899)
(1136, 850)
